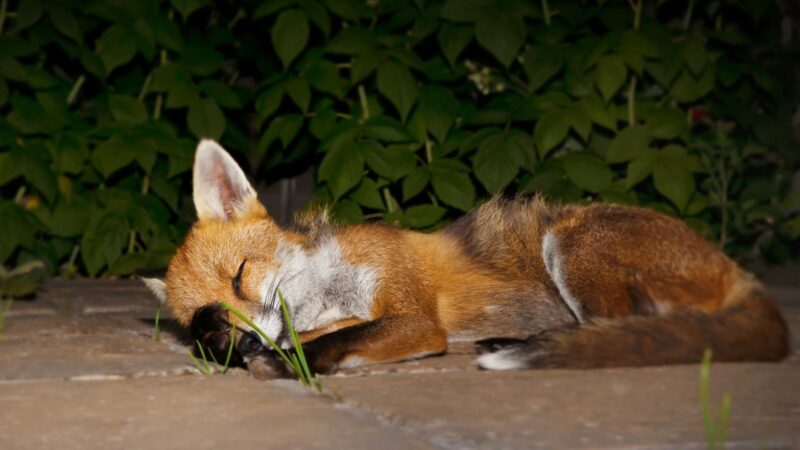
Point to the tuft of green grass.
(203, 364)
(716, 427)
(297, 360)
(157, 333)
(3, 312)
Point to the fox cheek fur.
(564, 285)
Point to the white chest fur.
(319, 286)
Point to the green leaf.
(115, 47)
(347, 211)
(367, 194)
(284, 127)
(299, 92)
(497, 162)
(205, 119)
(694, 53)
(600, 113)
(438, 107)
(386, 129)
(70, 154)
(415, 183)
(393, 162)
(127, 109)
(269, 101)
(610, 75)
(103, 240)
(342, 167)
(453, 188)
(187, 7)
(628, 144)
(550, 130)
(640, 168)
(363, 65)
(422, 216)
(224, 95)
(672, 176)
(541, 64)
(290, 35)
(465, 10)
(19, 228)
(667, 123)
(501, 33)
(688, 88)
(587, 171)
(324, 77)
(113, 154)
(453, 39)
(396, 83)
(65, 23)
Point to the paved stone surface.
(184, 412)
(79, 368)
(643, 408)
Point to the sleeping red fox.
(593, 286)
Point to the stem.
(73, 93)
(20, 194)
(132, 242)
(546, 12)
(74, 255)
(687, 19)
(145, 184)
(3, 7)
(637, 13)
(387, 197)
(145, 86)
(429, 150)
(157, 107)
(239, 15)
(632, 102)
(362, 97)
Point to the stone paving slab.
(619, 408)
(88, 347)
(184, 412)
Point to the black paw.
(494, 344)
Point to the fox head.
(226, 256)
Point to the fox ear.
(221, 190)
(159, 288)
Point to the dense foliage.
(411, 110)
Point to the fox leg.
(387, 339)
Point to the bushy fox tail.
(751, 330)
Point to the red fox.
(566, 286)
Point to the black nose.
(248, 344)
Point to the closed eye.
(236, 281)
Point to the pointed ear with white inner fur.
(220, 188)
(159, 288)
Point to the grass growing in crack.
(204, 366)
(716, 427)
(157, 333)
(297, 360)
(3, 311)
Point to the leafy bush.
(412, 110)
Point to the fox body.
(564, 285)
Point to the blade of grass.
(3, 311)
(705, 369)
(258, 330)
(203, 355)
(197, 364)
(295, 339)
(230, 351)
(157, 335)
(722, 423)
